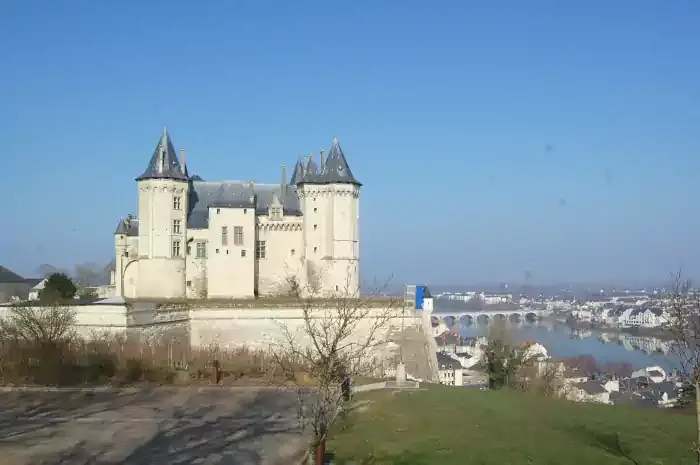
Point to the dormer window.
(275, 213)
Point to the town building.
(194, 238)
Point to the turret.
(163, 194)
(330, 202)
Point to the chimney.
(283, 184)
(182, 158)
(251, 186)
(306, 163)
(323, 160)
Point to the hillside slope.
(449, 426)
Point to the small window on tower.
(176, 203)
(176, 248)
(176, 227)
(243, 253)
(293, 252)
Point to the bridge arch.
(466, 320)
(450, 320)
(530, 316)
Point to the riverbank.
(659, 333)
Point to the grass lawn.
(450, 426)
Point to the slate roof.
(591, 387)
(164, 163)
(128, 227)
(237, 194)
(335, 170)
(297, 174)
(445, 360)
(7, 276)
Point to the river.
(606, 347)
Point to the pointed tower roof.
(298, 173)
(164, 163)
(336, 169)
(311, 174)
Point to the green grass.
(451, 426)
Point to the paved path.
(151, 426)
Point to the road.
(151, 426)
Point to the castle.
(236, 239)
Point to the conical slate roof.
(164, 163)
(336, 169)
(311, 174)
(298, 174)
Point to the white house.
(34, 291)
(588, 391)
(655, 373)
(238, 239)
(450, 371)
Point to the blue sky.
(494, 139)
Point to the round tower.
(330, 203)
(162, 211)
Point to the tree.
(45, 270)
(337, 340)
(684, 324)
(59, 287)
(41, 325)
(503, 361)
(89, 275)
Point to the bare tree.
(684, 324)
(88, 275)
(337, 340)
(50, 324)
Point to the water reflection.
(564, 341)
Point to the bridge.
(450, 317)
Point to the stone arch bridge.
(468, 317)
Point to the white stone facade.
(233, 239)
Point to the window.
(260, 249)
(293, 252)
(315, 227)
(189, 249)
(238, 235)
(245, 211)
(201, 250)
(218, 210)
(275, 213)
(177, 205)
(224, 235)
(176, 248)
(243, 253)
(189, 283)
(315, 209)
(217, 250)
(176, 227)
(315, 249)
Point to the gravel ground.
(151, 426)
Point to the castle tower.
(162, 212)
(330, 202)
